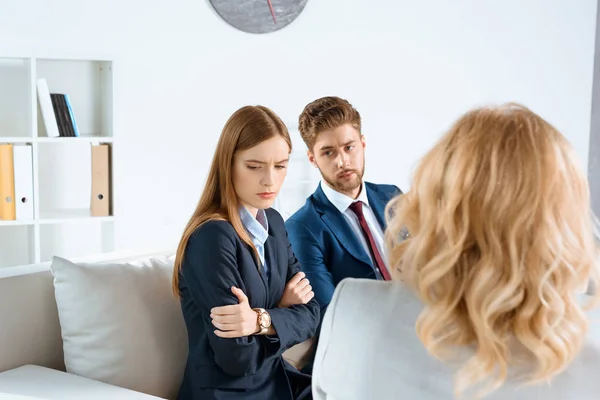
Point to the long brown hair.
(502, 237)
(246, 128)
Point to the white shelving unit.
(62, 223)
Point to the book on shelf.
(57, 112)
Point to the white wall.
(409, 67)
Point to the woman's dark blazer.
(250, 367)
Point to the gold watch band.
(262, 327)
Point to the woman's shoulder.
(275, 219)
(213, 231)
(375, 319)
(358, 296)
(351, 287)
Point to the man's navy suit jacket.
(326, 245)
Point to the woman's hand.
(297, 291)
(236, 320)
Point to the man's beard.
(345, 186)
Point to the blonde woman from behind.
(490, 285)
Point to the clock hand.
(272, 11)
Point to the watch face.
(265, 320)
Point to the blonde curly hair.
(501, 240)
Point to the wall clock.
(259, 16)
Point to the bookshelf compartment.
(89, 87)
(65, 182)
(15, 98)
(16, 245)
(76, 238)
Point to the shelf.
(57, 140)
(17, 139)
(17, 222)
(69, 215)
(59, 217)
(81, 139)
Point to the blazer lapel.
(342, 230)
(260, 271)
(378, 206)
(273, 266)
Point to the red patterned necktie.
(357, 208)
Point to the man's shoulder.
(385, 190)
(305, 213)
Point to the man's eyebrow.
(331, 147)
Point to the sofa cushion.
(121, 324)
(29, 332)
(49, 384)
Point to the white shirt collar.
(257, 227)
(340, 200)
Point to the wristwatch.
(264, 320)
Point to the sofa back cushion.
(29, 327)
(121, 323)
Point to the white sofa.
(102, 327)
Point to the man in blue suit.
(338, 233)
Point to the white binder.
(46, 108)
(23, 170)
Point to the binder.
(7, 183)
(100, 201)
(23, 173)
(46, 108)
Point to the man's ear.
(311, 158)
(363, 140)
